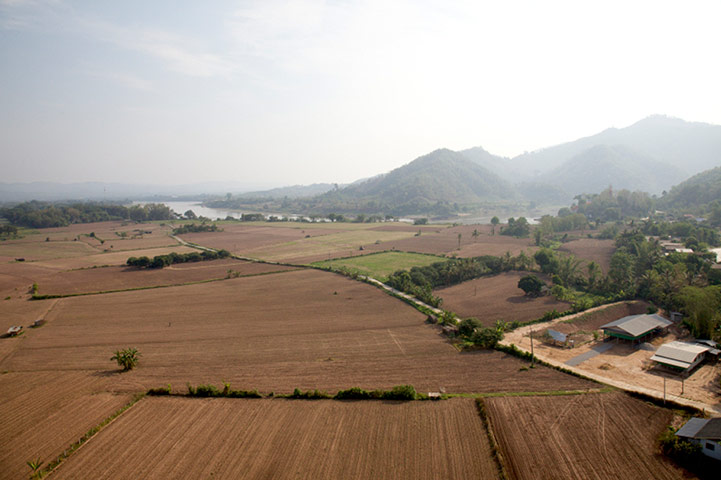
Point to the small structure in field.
(680, 356)
(636, 328)
(558, 337)
(706, 432)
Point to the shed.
(680, 355)
(635, 327)
(558, 337)
(706, 432)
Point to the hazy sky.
(296, 92)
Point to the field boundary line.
(74, 447)
(135, 289)
(549, 393)
(495, 448)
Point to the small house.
(680, 356)
(636, 328)
(706, 432)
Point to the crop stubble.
(602, 436)
(306, 329)
(279, 439)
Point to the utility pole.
(532, 357)
(664, 390)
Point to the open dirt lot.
(118, 278)
(305, 329)
(624, 362)
(496, 298)
(43, 413)
(288, 439)
(602, 436)
(591, 250)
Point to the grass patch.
(381, 265)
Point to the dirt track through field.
(232, 438)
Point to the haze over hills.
(651, 155)
(429, 183)
(696, 193)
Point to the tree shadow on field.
(107, 373)
(520, 299)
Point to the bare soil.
(118, 278)
(305, 329)
(591, 250)
(497, 298)
(624, 362)
(602, 436)
(285, 439)
(43, 413)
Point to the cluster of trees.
(565, 221)
(516, 228)
(420, 281)
(694, 235)
(36, 214)
(8, 230)
(160, 261)
(608, 206)
(195, 228)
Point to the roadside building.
(681, 356)
(636, 328)
(706, 432)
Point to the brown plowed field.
(118, 278)
(602, 436)
(43, 413)
(110, 258)
(306, 329)
(496, 298)
(282, 439)
(592, 250)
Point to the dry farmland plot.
(119, 278)
(228, 438)
(496, 298)
(43, 413)
(306, 329)
(602, 436)
(110, 258)
(592, 250)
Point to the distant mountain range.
(651, 155)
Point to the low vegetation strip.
(160, 261)
(399, 392)
(87, 436)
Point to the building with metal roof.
(706, 432)
(680, 355)
(636, 327)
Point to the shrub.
(468, 326)
(353, 393)
(487, 337)
(127, 359)
(401, 392)
(160, 391)
(309, 394)
(683, 451)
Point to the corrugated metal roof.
(711, 431)
(681, 351)
(636, 325)
(557, 336)
(670, 361)
(691, 428)
(701, 428)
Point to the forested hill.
(439, 182)
(695, 194)
(618, 165)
